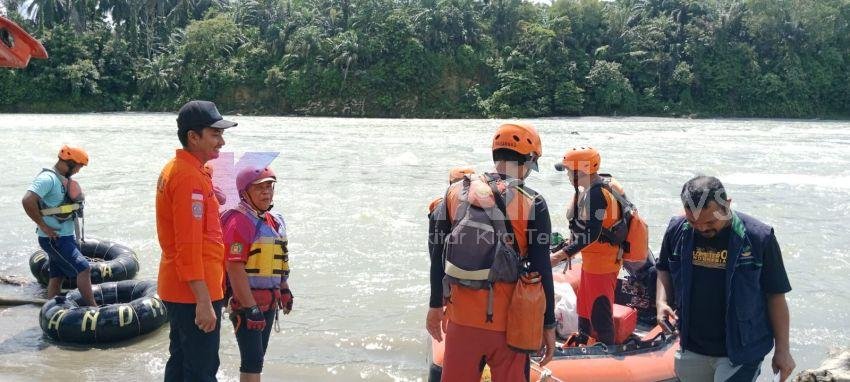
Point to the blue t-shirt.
(48, 186)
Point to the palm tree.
(247, 12)
(9, 6)
(180, 12)
(157, 75)
(346, 49)
(47, 13)
(305, 45)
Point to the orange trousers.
(468, 349)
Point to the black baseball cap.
(200, 114)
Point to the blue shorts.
(63, 256)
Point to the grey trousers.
(690, 366)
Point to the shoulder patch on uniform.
(236, 248)
(197, 209)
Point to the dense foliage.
(438, 58)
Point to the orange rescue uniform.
(189, 231)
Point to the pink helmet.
(253, 175)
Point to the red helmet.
(253, 175)
(75, 154)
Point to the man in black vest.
(722, 280)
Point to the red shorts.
(467, 346)
(595, 302)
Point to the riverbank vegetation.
(437, 58)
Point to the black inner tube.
(126, 309)
(109, 261)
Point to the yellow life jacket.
(268, 257)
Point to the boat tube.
(126, 309)
(109, 261)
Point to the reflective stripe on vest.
(61, 209)
(66, 208)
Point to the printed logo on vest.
(236, 248)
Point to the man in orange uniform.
(475, 332)
(592, 215)
(191, 272)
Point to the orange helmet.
(75, 154)
(519, 137)
(584, 159)
(457, 173)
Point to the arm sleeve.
(238, 237)
(666, 250)
(592, 226)
(539, 232)
(438, 229)
(41, 185)
(774, 279)
(187, 208)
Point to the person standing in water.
(191, 271)
(257, 267)
(53, 201)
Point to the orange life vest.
(468, 307)
(600, 257)
(433, 205)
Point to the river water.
(354, 193)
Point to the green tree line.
(438, 58)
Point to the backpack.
(631, 232)
(480, 250)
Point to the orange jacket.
(189, 230)
(468, 307)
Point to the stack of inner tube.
(126, 309)
(109, 262)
